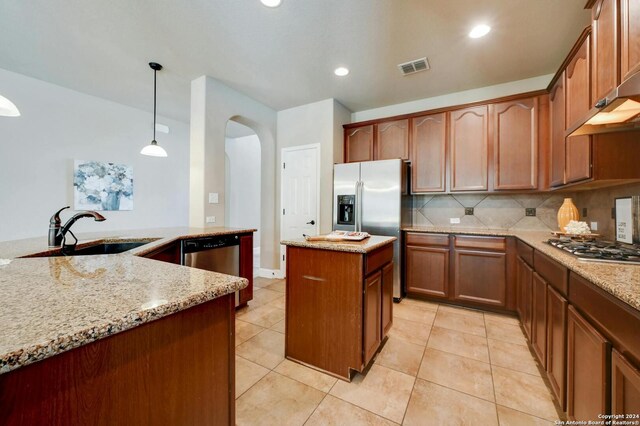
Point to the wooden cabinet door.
(427, 271)
(358, 144)
(625, 385)
(480, 277)
(578, 158)
(392, 140)
(169, 253)
(629, 38)
(246, 267)
(515, 144)
(428, 157)
(578, 84)
(387, 298)
(587, 369)
(539, 312)
(372, 315)
(557, 344)
(604, 42)
(558, 126)
(469, 143)
(524, 276)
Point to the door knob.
(313, 222)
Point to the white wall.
(243, 184)
(212, 104)
(457, 98)
(59, 125)
(316, 123)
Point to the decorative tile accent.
(496, 211)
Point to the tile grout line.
(493, 383)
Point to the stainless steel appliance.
(598, 251)
(217, 254)
(373, 197)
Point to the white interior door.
(300, 192)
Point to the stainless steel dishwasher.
(218, 254)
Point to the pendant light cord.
(155, 73)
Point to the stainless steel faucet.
(57, 233)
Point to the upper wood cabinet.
(392, 140)
(578, 84)
(469, 145)
(629, 38)
(358, 144)
(604, 42)
(577, 158)
(428, 156)
(515, 144)
(557, 127)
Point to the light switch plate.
(213, 198)
(454, 220)
(211, 219)
(594, 226)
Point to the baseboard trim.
(270, 273)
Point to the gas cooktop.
(598, 251)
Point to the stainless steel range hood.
(619, 111)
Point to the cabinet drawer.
(378, 258)
(420, 239)
(525, 252)
(487, 243)
(556, 274)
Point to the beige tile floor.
(441, 365)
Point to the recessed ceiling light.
(479, 31)
(271, 3)
(341, 71)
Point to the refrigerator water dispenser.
(346, 209)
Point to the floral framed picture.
(102, 186)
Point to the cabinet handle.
(313, 222)
(311, 278)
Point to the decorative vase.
(568, 212)
(112, 202)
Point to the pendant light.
(153, 149)
(8, 108)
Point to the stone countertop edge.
(619, 280)
(37, 352)
(363, 247)
(35, 348)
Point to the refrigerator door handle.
(357, 206)
(360, 186)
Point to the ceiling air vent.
(415, 66)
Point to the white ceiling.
(283, 57)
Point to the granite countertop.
(364, 246)
(619, 280)
(54, 304)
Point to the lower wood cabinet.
(387, 299)
(246, 268)
(169, 253)
(480, 274)
(587, 369)
(427, 265)
(372, 315)
(625, 386)
(524, 276)
(557, 344)
(539, 318)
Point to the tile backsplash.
(599, 203)
(509, 211)
(489, 211)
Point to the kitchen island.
(118, 339)
(339, 303)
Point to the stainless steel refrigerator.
(373, 197)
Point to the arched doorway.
(242, 182)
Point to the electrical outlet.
(213, 198)
(584, 212)
(531, 211)
(454, 220)
(594, 226)
(211, 219)
(468, 211)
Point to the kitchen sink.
(114, 247)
